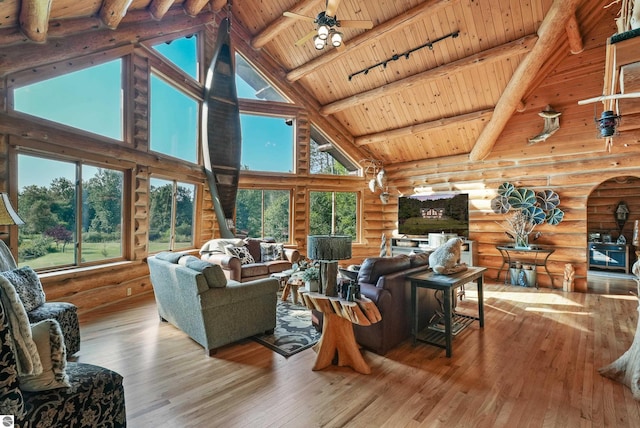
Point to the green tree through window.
(263, 213)
(333, 213)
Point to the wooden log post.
(34, 19)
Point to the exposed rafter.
(550, 30)
(517, 47)
(406, 131)
(404, 19)
(274, 28)
(34, 19)
(112, 12)
(158, 8)
(193, 7)
(574, 36)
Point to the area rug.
(294, 331)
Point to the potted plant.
(310, 276)
(529, 209)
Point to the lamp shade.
(328, 247)
(8, 216)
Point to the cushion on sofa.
(212, 272)
(255, 270)
(374, 267)
(241, 253)
(27, 285)
(271, 252)
(217, 245)
(50, 343)
(169, 256)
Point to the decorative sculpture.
(551, 125)
(626, 369)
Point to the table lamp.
(328, 249)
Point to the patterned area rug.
(294, 331)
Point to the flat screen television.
(434, 213)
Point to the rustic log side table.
(436, 334)
(339, 315)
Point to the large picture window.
(171, 215)
(333, 213)
(263, 213)
(267, 143)
(72, 213)
(174, 121)
(87, 105)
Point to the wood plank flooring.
(533, 365)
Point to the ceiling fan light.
(323, 32)
(318, 43)
(336, 39)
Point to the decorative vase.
(311, 285)
(522, 241)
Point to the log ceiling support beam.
(135, 27)
(574, 36)
(112, 12)
(274, 28)
(412, 15)
(496, 54)
(551, 29)
(193, 7)
(34, 19)
(423, 127)
(158, 8)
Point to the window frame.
(358, 216)
(262, 208)
(125, 224)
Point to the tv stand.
(408, 245)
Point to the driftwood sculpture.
(551, 125)
(626, 369)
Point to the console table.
(339, 315)
(434, 334)
(535, 255)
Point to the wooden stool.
(292, 287)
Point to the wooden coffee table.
(337, 329)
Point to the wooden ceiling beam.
(135, 27)
(158, 8)
(194, 7)
(498, 53)
(34, 19)
(412, 15)
(274, 28)
(112, 12)
(217, 5)
(407, 131)
(574, 36)
(549, 32)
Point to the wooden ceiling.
(450, 98)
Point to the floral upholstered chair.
(29, 288)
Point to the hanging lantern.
(607, 123)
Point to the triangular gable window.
(251, 85)
(183, 53)
(326, 158)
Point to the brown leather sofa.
(213, 252)
(382, 279)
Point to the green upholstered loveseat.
(196, 297)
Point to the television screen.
(434, 213)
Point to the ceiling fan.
(326, 23)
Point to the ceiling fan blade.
(356, 24)
(301, 17)
(332, 7)
(304, 39)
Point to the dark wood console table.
(447, 283)
(535, 255)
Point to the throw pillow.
(27, 285)
(271, 252)
(169, 256)
(48, 338)
(240, 252)
(212, 273)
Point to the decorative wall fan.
(326, 23)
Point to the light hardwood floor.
(533, 365)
